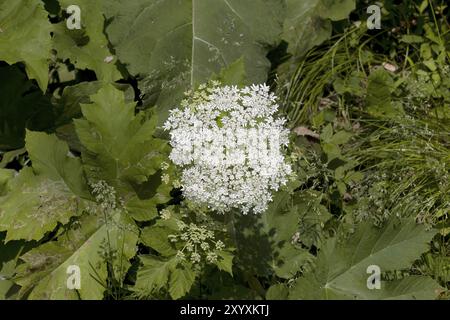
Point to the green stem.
(229, 220)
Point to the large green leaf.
(225, 261)
(181, 280)
(341, 268)
(153, 275)
(412, 287)
(44, 273)
(25, 37)
(336, 9)
(87, 48)
(277, 292)
(308, 23)
(119, 148)
(174, 45)
(51, 157)
(35, 206)
(68, 108)
(68, 105)
(22, 105)
(46, 195)
(156, 274)
(157, 238)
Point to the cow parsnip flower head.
(230, 146)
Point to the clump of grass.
(406, 161)
(310, 89)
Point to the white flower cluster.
(230, 147)
(198, 241)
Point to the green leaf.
(281, 225)
(264, 242)
(51, 157)
(379, 89)
(304, 28)
(46, 195)
(118, 145)
(423, 6)
(45, 269)
(9, 156)
(35, 205)
(411, 287)
(411, 38)
(430, 64)
(25, 37)
(327, 133)
(308, 23)
(323, 116)
(143, 210)
(119, 148)
(156, 237)
(332, 151)
(68, 107)
(9, 254)
(336, 9)
(225, 261)
(22, 105)
(312, 217)
(69, 104)
(175, 45)
(277, 292)
(340, 271)
(6, 272)
(288, 260)
(340, 137)
(6, 176)
(182, 277)
(157, 273)
(152, 276)
(354, 176)
(87, 48)
(234, 74)
(351, 84)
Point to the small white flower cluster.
(198, 241)
(105, 195)
(165, 214)
(230, 147)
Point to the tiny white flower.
(220, 245)
(166, 214)
(164, 166)
(211, 257)
(180, 255)
(165, 178)
(195, 257)
(204, 246)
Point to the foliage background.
(83, 174)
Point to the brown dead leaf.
(389, 67)
(304, 131)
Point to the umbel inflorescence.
(230, 146)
